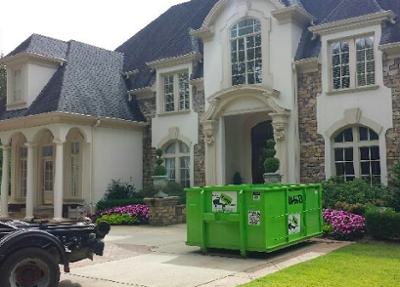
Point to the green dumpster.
(261, 218)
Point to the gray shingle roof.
(89, 83)
(42, 46)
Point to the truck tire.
(30, 267)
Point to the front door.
(259, 136)
(48, 175)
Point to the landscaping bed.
(361, 264)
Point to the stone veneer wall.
(391, 77)
(164, 211)
(312, 145)
(148, 108)
(199, 149)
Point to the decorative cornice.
(391, 49)
(293, 14)
(307, 65)
(198, 83)
(352, 23)
(29, 56)
(241, 88)
(174, 61)
(68, 118)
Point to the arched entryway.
(259, 135)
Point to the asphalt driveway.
(157, 256)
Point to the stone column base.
(162, 211)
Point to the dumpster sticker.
(224, 202)
(255, 218)
(257, 196)
(294, 224)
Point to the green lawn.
(357, 265)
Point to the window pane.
(374, 135)
(183, 147)
(339, 138)
(170, 149)
(47, 151)
(376, 168)
(170, 166)
(364, 151)
(339, 169)
(375, 153)
(340, 65)
(365, 168)
(349, 168)
(365, 61)
(184, 91)
(169, 93)
(363, 134)
(348, 135)
(349, 154)
(339, 154)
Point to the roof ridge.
(48, 37)
(93, 46)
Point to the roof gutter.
(28, 56)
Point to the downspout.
(97, 124)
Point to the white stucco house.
(209, 82)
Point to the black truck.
(30, 253)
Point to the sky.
(103, 23)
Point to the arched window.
(356, 152)
(246, 52)
(177, 162)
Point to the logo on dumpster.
(295, 199)
(224, 202)
(294, 224)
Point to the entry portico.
(230, 128)
(48, 166)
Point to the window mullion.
(176, 92)
(245, 59)
(353, 64)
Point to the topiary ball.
(159, 171)
(271, 165)
(159, 152)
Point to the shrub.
(383, 224)
(108, 204)
(175, 189)
(237, 178)
(159, 170)
(118, 219)
(119, 189)
(353, 196)
(345, 225)
(139, 213)
(271, 164)
(395, 186)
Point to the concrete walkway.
(157, 257)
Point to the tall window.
(357, 154)
(177, 162)
(23, 170)
(75, 168)
(176, 92)
(246, 54)
(48, 168)
(17, 87)
(353, 63)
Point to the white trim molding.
(175, 61)
(392, 50)
(307, 65)
(352, 23)
(24, 57)
(293, 14)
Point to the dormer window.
(176, 92)
(17, 85)
(353, 63)
(246, 52)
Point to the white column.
(209, 130)
(30, 188)
(280, 122)
(5, 183)
(59, 181)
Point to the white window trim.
(177, 109)
(10, 86)
(245, 50)
(177, 156)
(352, 64)
(356, 144)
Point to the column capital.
(59, 142)
(30, 144)
(7, 146)
(210, 128)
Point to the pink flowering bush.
(344, 225)
(132, 214)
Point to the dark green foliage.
(108, 204)
(353, 196)
(119, 189)
(237, 178)
(175, 189)
(271, 164)
(395, 186)
(383, 224)
(3, 81)
(159, 170)
(118, 219)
